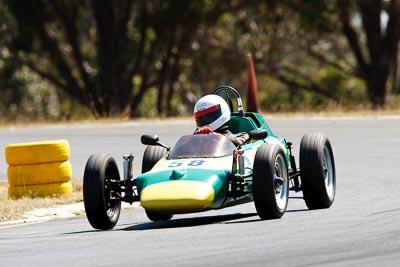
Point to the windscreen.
(202, 146)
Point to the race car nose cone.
(177, 196)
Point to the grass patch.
(14, 209)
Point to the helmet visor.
(207, 116)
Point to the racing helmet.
(211, 111)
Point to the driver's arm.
(239, 138)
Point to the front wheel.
(270, 181)
(151, 156)
(317, 171)
(101, 174)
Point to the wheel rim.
(111, 205)
(329, 176)
(281, 182)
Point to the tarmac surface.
(360, 229)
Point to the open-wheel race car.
(207, 171)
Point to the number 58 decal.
(192, 163)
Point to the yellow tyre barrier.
(43, 190)
(37, 174)
(37, 152)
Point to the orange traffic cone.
(252, 89)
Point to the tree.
(279, 41)
(372, 31)
(110, 55)
(106, 54)
(74, 49)
(375, 62)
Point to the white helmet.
(211, 111)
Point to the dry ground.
(15, 209)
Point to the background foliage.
(64, 59)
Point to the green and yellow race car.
(208, 171)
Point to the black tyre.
(156, 217)
(101, 211)
(317, 171)
(151, 156)
(270, 181)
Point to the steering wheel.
(228, 90)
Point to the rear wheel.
(151, 156)
(317, 171)
(101, 210)
(270, 181)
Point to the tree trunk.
(376, 85)
(375, 65)
(396, 73)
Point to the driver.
(213, 112)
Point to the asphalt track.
(360, 229)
